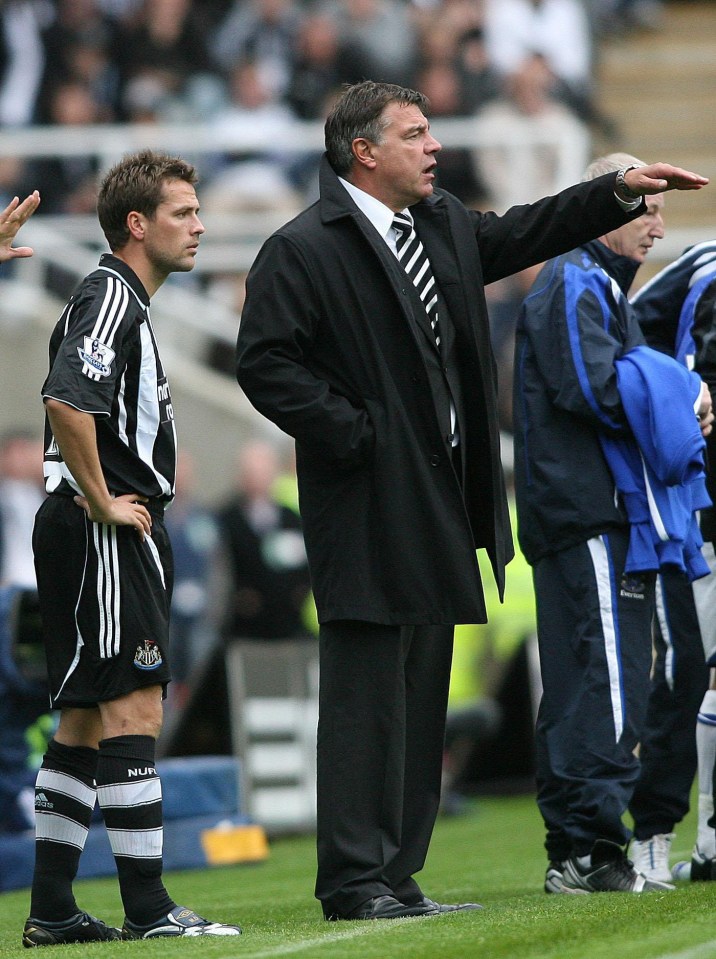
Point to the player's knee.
(139, 713)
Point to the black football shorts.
(104, 598)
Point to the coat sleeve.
(530, 234)
(577, 330)
(275, 365)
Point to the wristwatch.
(621, 186)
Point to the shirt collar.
(378, 213)
(113, 264)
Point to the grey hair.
(610, 164)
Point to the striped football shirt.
(104, 361)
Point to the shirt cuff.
(628, 205)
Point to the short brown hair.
(357, 113)
(135, 183)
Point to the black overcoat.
(328, 350)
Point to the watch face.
(622, 185)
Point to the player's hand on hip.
(124, 510)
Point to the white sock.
(706, 749)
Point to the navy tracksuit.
(594, 622)
(675, 311)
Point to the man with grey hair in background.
(573, 416)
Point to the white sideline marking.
(705, 950)
(295, 947)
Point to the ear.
(363, 152)
(136, 223)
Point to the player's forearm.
(76, 436)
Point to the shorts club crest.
(148, 656)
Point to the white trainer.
(651, 856)
(700, 869)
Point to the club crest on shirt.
(97, 356)
(148, 655)
(632, 587)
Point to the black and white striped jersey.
(104, 361)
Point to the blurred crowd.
(526, 68)
(258, 64)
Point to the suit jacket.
(329, 350)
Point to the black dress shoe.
(388, 907)
(449, 907)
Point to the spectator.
(13, 175)
(69, 184)
(540, 147)
(165, 49)
(22, 59)
(543, 146)
(81, 43)
(166, 35)
(25, 719)
(480, 81)
(379, 38)
(315, 75)
(257, 177)
(263, 31)
(21, 492)
(267, 569)
(558, 31)
(193, 532)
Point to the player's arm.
(76, 435)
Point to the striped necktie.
(416, 264)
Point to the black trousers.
(381, 731)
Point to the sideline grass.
(492, 854)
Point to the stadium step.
(660, 87)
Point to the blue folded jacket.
(659, 469)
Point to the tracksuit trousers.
(594, 631)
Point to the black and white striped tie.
(417, 265)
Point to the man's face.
(636, 238)
(405, 158)
(172, 235)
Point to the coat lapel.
(431, 219)
(410, 304)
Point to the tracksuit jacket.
(676, 311)
(664, 302)
(575, 325)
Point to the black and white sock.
(65, 795)
(130, 795)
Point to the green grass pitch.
(493, 854)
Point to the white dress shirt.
(381, 216)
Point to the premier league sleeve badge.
(96, 358)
